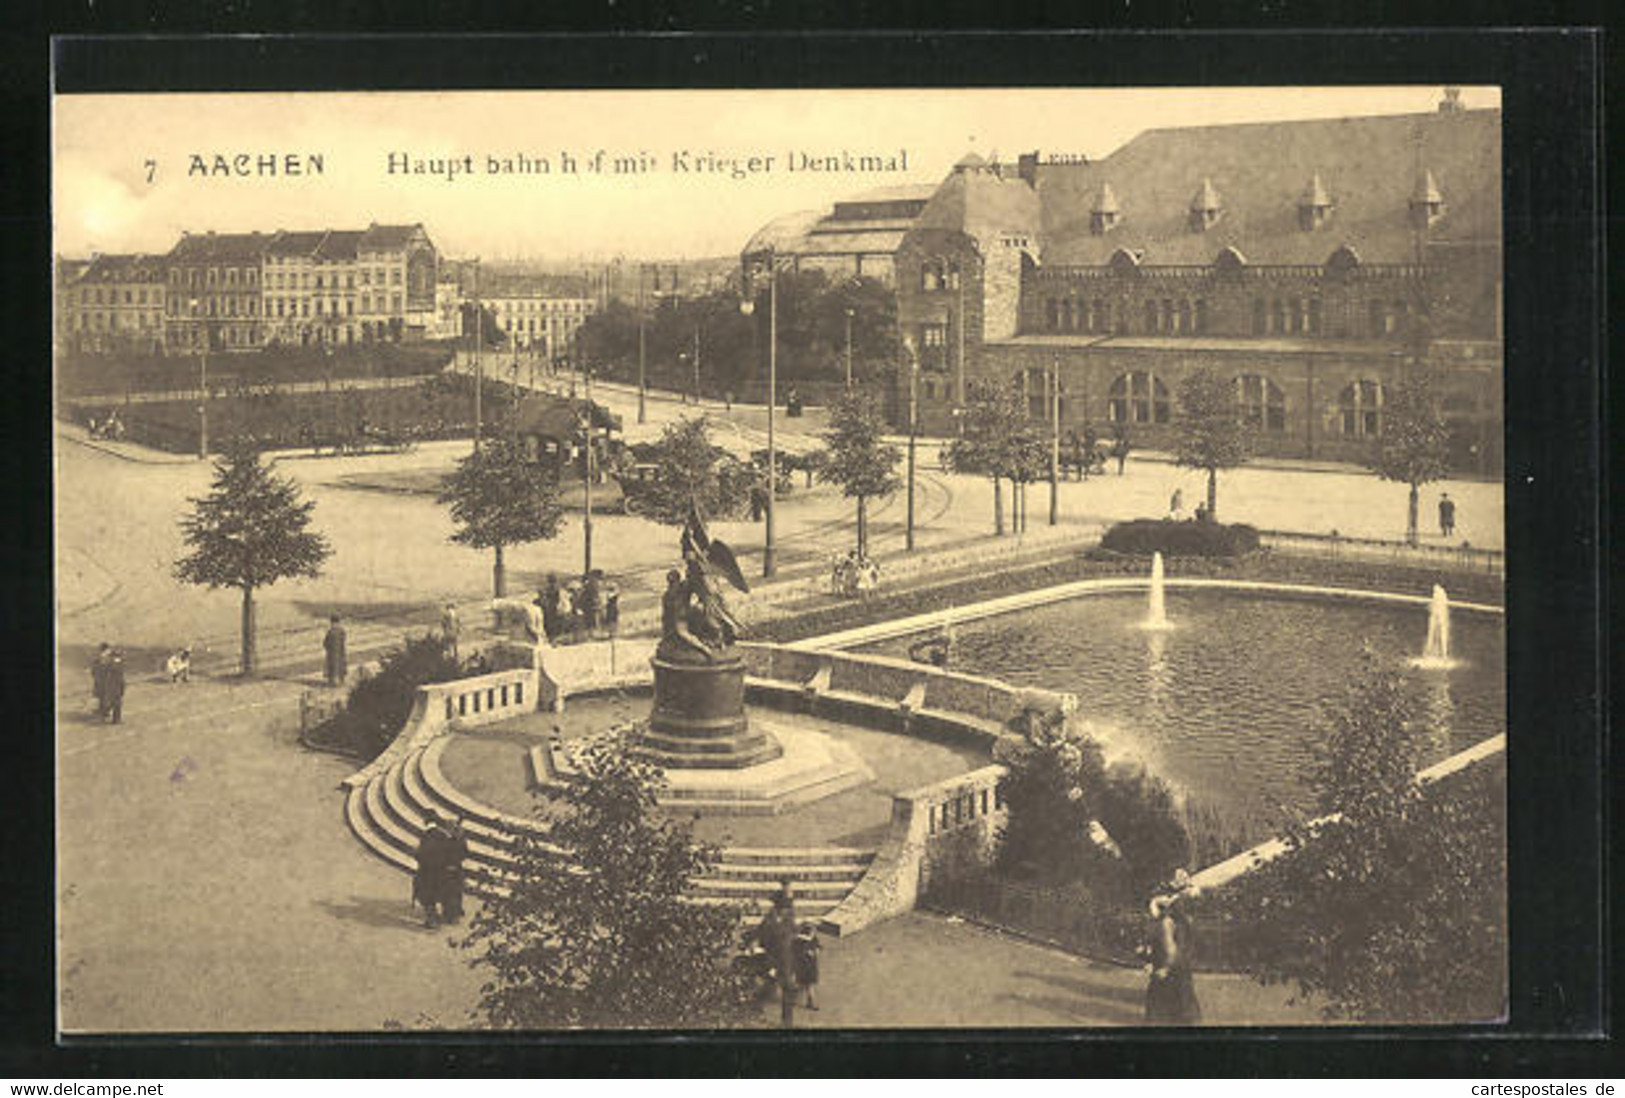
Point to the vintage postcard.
(829, 559)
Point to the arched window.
(1052, 313)
(1201, 315)
(1280, 316)
(1263, 405)
(1260, 317)
(1070, 308)
(1182, 321)
(1360, 408)
(1150, 316)
(1139, 397)
(1314, 316)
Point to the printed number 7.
(152, 169)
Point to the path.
(929, 970)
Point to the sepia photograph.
(833, 559)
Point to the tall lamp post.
(913, 432)
(202, 384)
(479, 368)
(1054, 440)
(769, 567)
(850, 313)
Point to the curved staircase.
(388, 813)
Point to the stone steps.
(389, 813)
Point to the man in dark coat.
(98, 678)
(1447, 515)
(777, 935)
(438, 882)
(113, 687)
(333, 645)
(551, 600)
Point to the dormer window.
(1104, 214)
(1229, 260)
(1427, 203)
(1314, 205)
(1124, 261)
(1206, 208)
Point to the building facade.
(1311, 263)
(115, 303)
(243, 291)
(540, 314)
(213, 294)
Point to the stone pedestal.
(699, 719)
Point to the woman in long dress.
(1170, 996)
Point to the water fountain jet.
(1436, 652)
(1156, 609)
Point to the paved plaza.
(208, 881)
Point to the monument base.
(699, 720)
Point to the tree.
(1210, 431)
(1415, 445)
(857, 457)
(248, 532)
(615, 940)
(692, 470)
(1391, 907)
(499, 497)
(986, 446)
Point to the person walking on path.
(1447, 515)
(114, 687)
(450, 627)
(1176, 505)
(1170, 994)
(1120, 450)
(98, 678)
(777, 934)
(333, 644)
(806, 963)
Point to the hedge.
(1142, 537)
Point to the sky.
(124, 178)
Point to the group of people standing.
(437, 885)
(790, 953)
(587, 606)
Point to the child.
(806, 949)
(179, 666)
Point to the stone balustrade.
(934, 829)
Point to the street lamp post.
(586, 521)
(913, 432)
(1055, 441)
(479, 369)
(769, 567)
(203, 385)
(850, 312)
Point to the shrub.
(378, 704)
(1142, 537)
(1138, 810)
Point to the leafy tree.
(499, 497)
(1415, 445)
(1391, 907)
(857, 457)
(490, 329)
(248, 532)
(616, 941)
(691, 468)
(1210, 430)
(993, 419)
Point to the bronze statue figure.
(696, 624)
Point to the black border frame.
(1555, 495)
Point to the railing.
(1464, 558)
